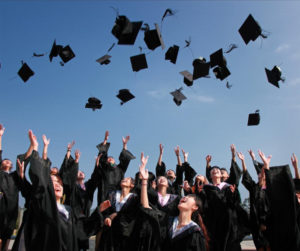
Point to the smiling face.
(6, 165)
(215, 173)
(162, 181)
(224, 175)
(57, 186)
(187, 203)
(171, 174)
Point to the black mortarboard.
(25, 72)
(250, 29)
(172, 53)
(201, 68)
(138, 62)
(66, 54)
(221, 72)
(153, 38)
(126, 31)
(297, 185)
(178, 96)
(254, 118)
(217, 58)
(104, 60)
(188, 78)
(93, 103)
(274, 75)
(125, 95)
(54, 50)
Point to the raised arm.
(125, 140)
(265, 160)
(208, 159)
(242, 158)
(177, 152)
(145, 175)
(69, 149)
(295, 165)
(2, 129)
(233, 152)
(161, 151)
(46, 144)
(103, 147)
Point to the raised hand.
(125, 140)
(70, 145)
(185, 155)
(104, 205)
(21, 168)
(106, 135)
(251, 154)
(233, 151)
(177, 150)
(33, 140)
(265, 160)
(2, 129)
(294, 161)
(45, 140)
(208, 159)
(77, 155)
(143, 171)
(241, 156)
(161, 149)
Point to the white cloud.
(157, 94)
(203, 99)
(282, 47)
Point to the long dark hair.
(196, 217)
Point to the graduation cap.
(138, 62)
(25, 72)
(178, 96)
(153, 38)
(66, 54)
(201, 68)
(172, 53)
(104, 60)
(54, 50)
(250, 30)
(221, 72)
(188, 77)
(93, 103)
(254, 118)
(274, 76)
(125, 95)
(217, 58)
(126, 31)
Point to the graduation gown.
(49, 229)
(259, 210)
(110, 176)
(283, 227)
(9, 201)
(117, 236)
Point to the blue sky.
(213, 117)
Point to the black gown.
(259, 210)
(48, 229)
(9, 201)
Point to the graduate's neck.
(216, 181)
(162, 190)
(58, 200)
(125, 191)
(184, 218)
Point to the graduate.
(52, 224)
(183, 233)
(259, 205)
(9, 197)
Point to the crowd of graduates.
(169, 210)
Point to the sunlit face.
(57, 186)
(215, 173)
(224, 175)
(126, 182)
(162, 181)
(298, 196)
(6, 165)
(187, 203)
(80, 175)
(111, 160)
(171, 174)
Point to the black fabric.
(259, 210)
(284, 230)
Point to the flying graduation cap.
(93, 103)
(65, 53)
(188, 77)
(153, 38)
(178, 96)
(125, 95)
(172, 53)
(104, 60)
(251, 30)
(201, 68)
(25, 72)
(126, 31)
(138, 62)
(254, 118)
(217, 59)
(274, 76)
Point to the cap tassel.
(231, 47)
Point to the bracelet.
(144, 182)
(68, 150)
